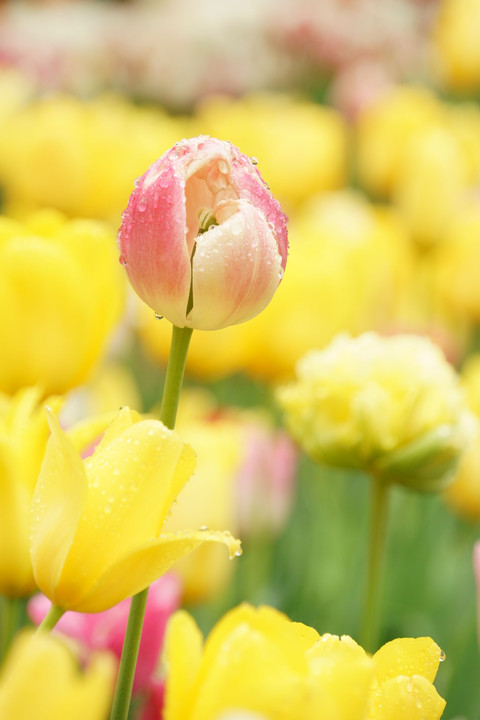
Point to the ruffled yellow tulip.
(258, 664)
(61, 293)
(23, 438)
(97, 525)
(390, 406)
(41, 679)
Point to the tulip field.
(240, 360)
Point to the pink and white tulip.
(203, 240)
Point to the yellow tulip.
(384, 130)
(456, 52)
(391, 406)
(81, 157)
(41, 679)
(97, 525)
(301, 146)
(61, 293)
(23, 438)
(260, 663)
(257, 664)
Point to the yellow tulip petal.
(241, 646)
(342, 675)
(183, 653)
(57, 505)
(138, 569)
(132, 482)
(403, 697)
(407, 656)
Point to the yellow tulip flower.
(260, 663)
(391, 406)
(302, 146)
(23, 438)
(61, 293)
(456, 52)
(41, 679)
(384, 130)
(80, 156)
(97, 525)
(257, 664)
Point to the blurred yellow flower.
(81, 157)
(385, 128)
(23, 438)
(456, 51)
(463, 495)
(256, 663)
(348, 269)
(97, 526)
(42, 679)
(61, 293)
(301, 146)
(208, 500)
(457, 260)
(431, 179)
(389, 406)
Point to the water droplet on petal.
(158, 316)
(442, 656)
(122, 260)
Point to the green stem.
(378, 533)
(50, 619)
(168, 413)
(9, 621)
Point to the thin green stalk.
(378, 533)
(50, 619)
(168, 413)
(9, 620)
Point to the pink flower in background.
(266, 481)
(106, 630)
(203, 240)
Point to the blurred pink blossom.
(266, 481)
(106, 630)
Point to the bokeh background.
(364, 117)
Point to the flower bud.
(203, 240)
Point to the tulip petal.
(152, 238)
(407, 656)
(402, 697)
(86, 432)
(138, 569)
(133, 479)
(236, 268)
(183, 653)
(57, 505)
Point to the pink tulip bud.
(106, 630)
(203, 240)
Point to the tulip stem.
(378, 534)
(131, 644)
(9, 620)
(174, 377)
(51, 619)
